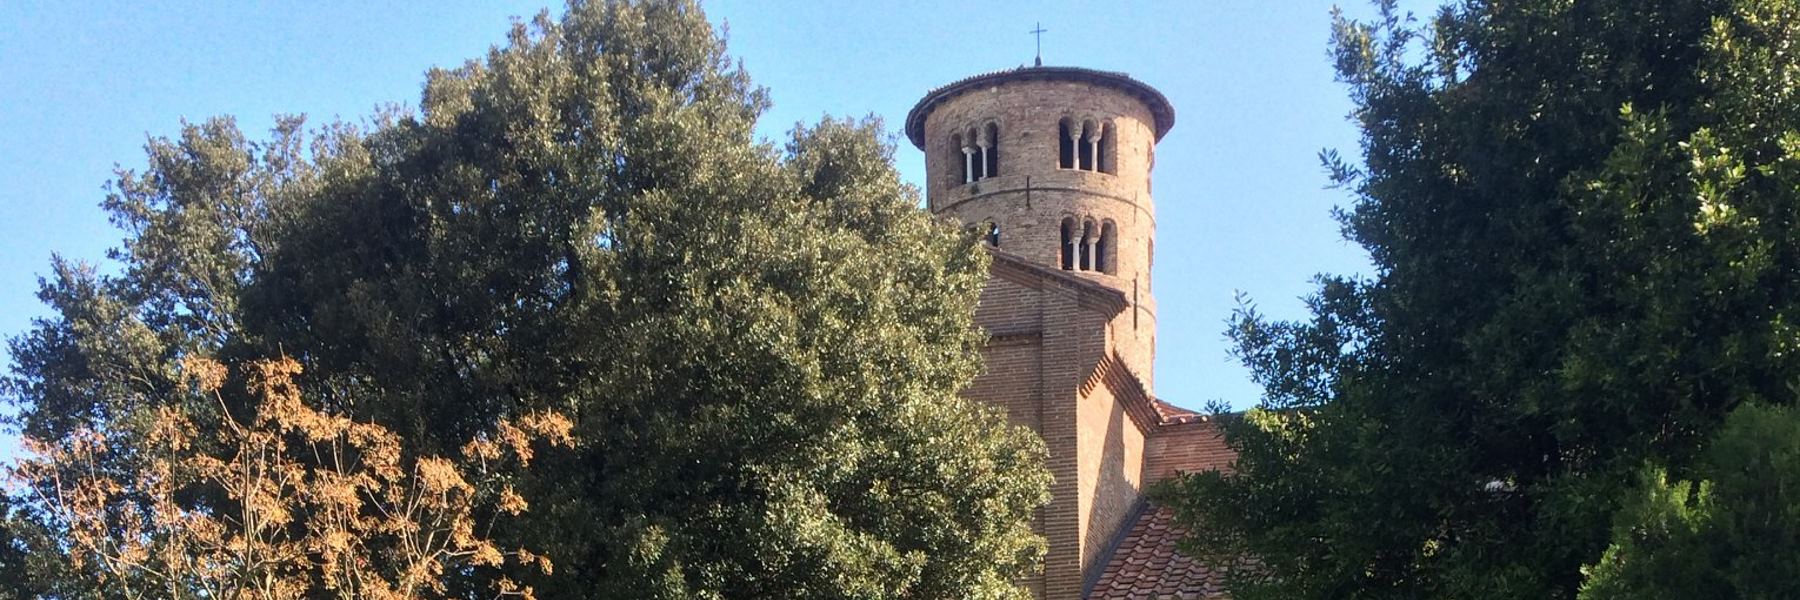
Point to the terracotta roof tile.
(1145, 564)
(1173, 415)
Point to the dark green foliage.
(1731, 535)
(1583, 219)
(762, 347)
(30, 566)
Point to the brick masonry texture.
(1032, 195)
(1070, 353)
(1111, 470)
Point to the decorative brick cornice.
(1015, 338)
(1127, 388)
(1150, 414)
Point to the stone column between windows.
(1074, 147)
(984, 162)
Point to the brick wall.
(1010, 313)
(1112, 469)
(1189, 447)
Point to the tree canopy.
(1584, 219)
(760, 347)
(1728, 535)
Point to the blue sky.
(1239, 192)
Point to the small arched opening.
(1106, 252)
(1087, 146)
(1069, 247)
(1066, 138)
(977, 162)
(1108, 149)
(991, 162)
(1090, 240)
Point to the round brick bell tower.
(1053, 164)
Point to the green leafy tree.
(1729, 535)
(30, 566)
(1583, 222)
(760, 346)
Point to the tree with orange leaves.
(294, 502)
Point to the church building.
(1053, 165)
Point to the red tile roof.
(1146, 566)
(1171, 414)
(1143, 563)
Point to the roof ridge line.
(1098, 295)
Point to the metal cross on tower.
(1039, 32)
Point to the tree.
(1582, 218)
(30, 567)
(303, 504)
(1728, 535)
(760, 346)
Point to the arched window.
(991, 152)
(1086, 146)
(978, 152)
(1108, 149)
(1105, 255)
(1066, 137)
(993, 234)
(1069, 247)
(1086, 245)
(1090, 240)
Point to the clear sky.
(1239, 192)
